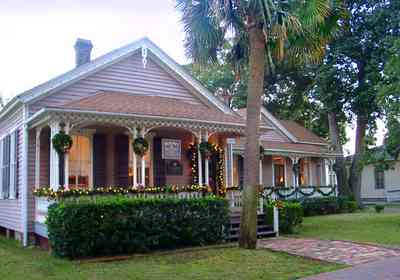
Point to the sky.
(37, 37)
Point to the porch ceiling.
(294, 149)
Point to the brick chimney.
(83, 49)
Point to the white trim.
(199, 161)
(1, 168)
(25, 185)
(273, 173)
(151, 117)
(285, 171)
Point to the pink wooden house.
(107, 102)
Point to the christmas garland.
(77, 192)
(313, 190)
(192, 155)
(329, 193)
(140, 146)
(62, 142)
(206, 149)
(262, 152)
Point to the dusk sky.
(37, 37)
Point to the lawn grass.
(220, 263)
(367, 226)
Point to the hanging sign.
(171, 149)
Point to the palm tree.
(259, 32)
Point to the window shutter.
(13, 164)
(1, 168)
(6, 166)
(99, 160)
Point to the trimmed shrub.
(290, 216)
(328, 205)
(123, 225)
(379, 208)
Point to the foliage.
(290, 216)
(61, 193)
(328, 205)
(62, 142)
(113, 226)
(140, 146)
(379, 208)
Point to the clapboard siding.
(10, 209)
(273, 135)
(31, 178)
(127, 76)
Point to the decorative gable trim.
(115, 56)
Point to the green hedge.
(290, 216)
(328, 205)
(122, 225)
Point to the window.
(279, 175)
(379, 179)
(279, 171)
(80, 163)
(8, 158)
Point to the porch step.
(263, 230)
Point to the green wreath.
(140, 146)
(206, 149)
(262, 152)
(62, 142)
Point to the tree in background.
(258, 31)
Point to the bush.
(328, 205)
(379, 208)
(290, 216)
(123, 225)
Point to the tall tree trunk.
(341, 172)
(248, 223)
(356, 166)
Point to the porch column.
(206, 164)
(143, 164)
(260, 175)
(229, 161)
(295, 160)
(199, 164)
(66, 159)
(310, 173)
(37, 157)
(285, 171)
(134, 159)
(273, 172)
(54, 159)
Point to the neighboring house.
(381, 185)
(107, 102)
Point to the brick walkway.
(331, 251)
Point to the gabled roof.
(152, 106)
(294, 131)
(108, 59)
(301, 133)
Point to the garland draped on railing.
(287, 192)
(77, 192)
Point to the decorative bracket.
(144, 56)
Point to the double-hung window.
(8, 159)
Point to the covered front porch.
(103, 154)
